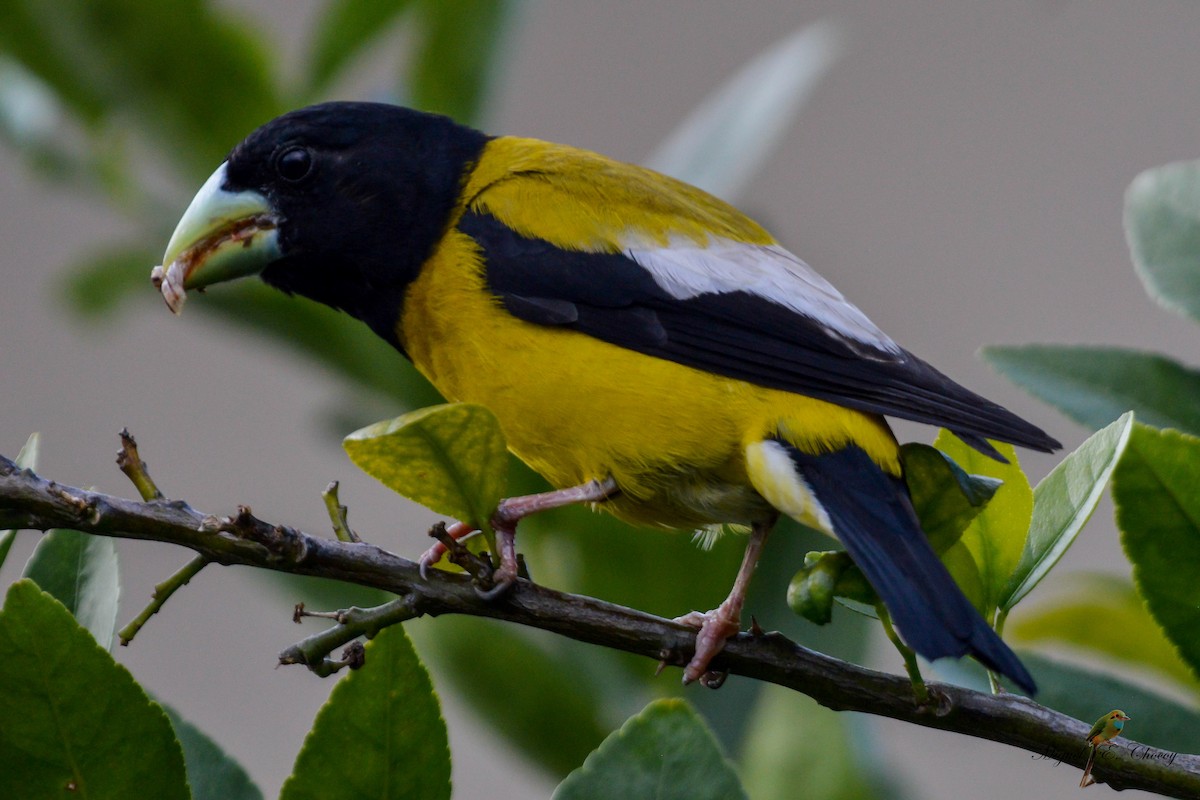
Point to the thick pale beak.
(223, 235)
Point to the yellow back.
(576, 408)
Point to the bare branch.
(130, 462)
(28, 501)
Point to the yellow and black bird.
(645, 346)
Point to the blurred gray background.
(959, 175)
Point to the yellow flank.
(575, 408)
(580, 200)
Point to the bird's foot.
(502, 579)
(456, 533)
(491, 583)
(714, 628)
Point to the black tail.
(873, 518)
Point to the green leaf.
(450, 458)
(1062, 504)
(563, 548)
(1162, 224)
(961, 563)
(380, 734)
(1083, 694)
(1103, 614)
(30, 113)
(33, 35)
(664, 752)
(191, 74)
(6, 542)
(345, 29)
(1158, 514)
(82, 573)
(26, 459)
(456, 55)
(1095, 385)
(996, 538)
(839, 764)
(212, 774)
(73, 717)
(27, 456)
(731, 134)
(945, 497)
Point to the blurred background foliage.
(136, 103)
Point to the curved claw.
(715, 627)
(502, 584)
(430, 557)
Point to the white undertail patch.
(774, 476)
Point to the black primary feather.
(874, 520)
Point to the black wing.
(738, 334)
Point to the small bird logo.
(1106, 729)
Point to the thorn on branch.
(939, 703)
(354, 656)
(671, 657)
(135, 469)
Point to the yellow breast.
(575, 408)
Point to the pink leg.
(514, 509)
(724, 621)
(458, 531)
(504, 523)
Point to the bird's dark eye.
(293, 164)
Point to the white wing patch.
(686, 270)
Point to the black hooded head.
(363, 192)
